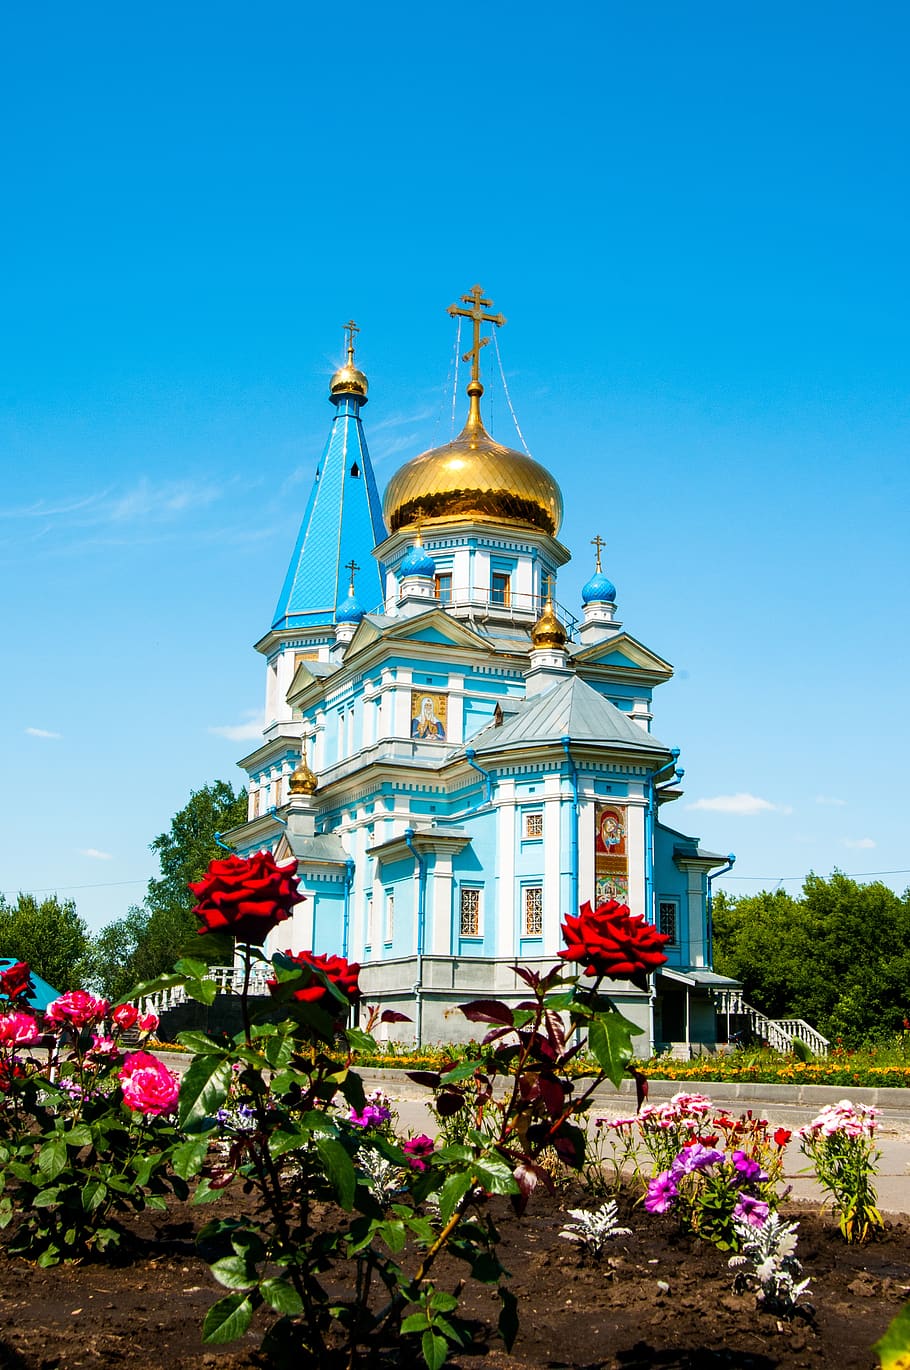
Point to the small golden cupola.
(303, 780)
(474, 476)
(548, 631)
(348, 380)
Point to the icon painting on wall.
(428, 716)
(611, 858)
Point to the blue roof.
(43, 994)
(342, 522)
(417, 562)
(598, 590)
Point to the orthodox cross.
(548, 583)
(418, 523)
(597, 543)
(350, 328)
(477, 316)
(351, 566)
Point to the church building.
(455, 759)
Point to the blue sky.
(695, 219)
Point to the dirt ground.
(660, 1299)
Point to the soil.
(658, 1299)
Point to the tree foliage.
(838, 955)
(50, 936)
(149, 939)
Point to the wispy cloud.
(241, 732)
(95, 854)
(830, 801)
(859, 843)
(745, 805)
(42, 732)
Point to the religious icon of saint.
(426, 724)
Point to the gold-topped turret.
(303, 780)
(473, 476)
(348, 380)
(548, 631)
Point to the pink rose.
(103, 1046)
(148, 1086)
(147, 1022)
(18, 1029)
(78, 1008)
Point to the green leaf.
(52, 1158)
(452, 1193)
(281, 1295)
(235, 1272)
(93, 1195)
(147, 987)
(203, 991)
(217, 946)
(358, 1040)
(200, 1043)
(203, 1089)
(284, 1140)
(340, 1170)
(80, 1134)
(46, 1198)
(393, 1234)
(893, 1349)
(190, 967)
(415, 1322)
(188, 1158)
(443, 1302)
(227, 1319)
(461, 1072)
(434, 1350)
(610, 1042)
(508, 1317)
(495, 1175)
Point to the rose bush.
(246, 896)
(611, 942)
(337, 970)
(148, 1086)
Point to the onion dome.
(598, 590)
(303, 780)
(548, 631)
(350, 610)
(348, 380)
(473, 476)
(417, 562)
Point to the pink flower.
(148, 1085)
(77, 1008)
(752, 1211)
(147, 1022)
(661, 1193)
(104, 1046)
(18, 1029)
(416, 1148)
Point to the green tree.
(50, 936)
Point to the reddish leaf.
(488, 1011)
(530, 977)
(494, 1035)
(527, 1177)
(448, 1103)
(553, 1093)
(430, 1078)
(555, 1030)
(390, 1015)
(641, 1086)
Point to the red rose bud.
(246, 896)
(125, 1015)
(782, 1136)
(16, 980)
(342, 974)
(612, 941)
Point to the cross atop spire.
(597, 543)
(352, 567)
(477, 316)
(351, 329)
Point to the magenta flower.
(695, 1157)
(78, 1008)
(747, 1169)
(373, 1115)
(661, 1193)
(752, 1211)
(416, 1149)
(18, 1029)
(148, 1086)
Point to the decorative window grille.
(533, 825)
(470, 912)
(389, 916)
(668, 911)
(444, 588)
(533, 919)
(501, 589)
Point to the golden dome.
(347, 380)
(548, 631)
(303, 780)
(473, 475)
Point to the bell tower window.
(501, 589)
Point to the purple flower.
(752, 1211)
(661, 1193)
(695, 1157)
(416, 1148)
(747, 1168)
(373, 1115)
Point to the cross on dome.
(597, 543)
(477, 316)
(351, 329)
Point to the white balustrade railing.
(777, 1032)
(229, 980)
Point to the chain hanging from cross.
(477, 316)
(597, 543)
(351, 330)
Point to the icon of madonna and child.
(428, 717)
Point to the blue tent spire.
(343, 517)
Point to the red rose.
(125, 1015)
(16, 980)
(782, 1136)
(611, 941)
(246, 896)
(342, 974)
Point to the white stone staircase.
(778, 1033)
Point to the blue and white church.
(456, 761)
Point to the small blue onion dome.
(599, 590)
(349, 610)
(417, 562)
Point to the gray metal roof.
(572, 709)
(325, 847)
